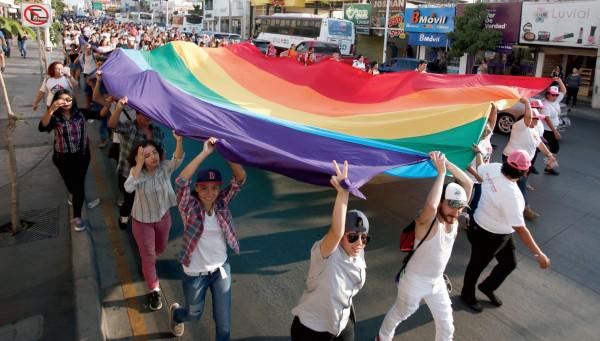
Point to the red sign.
(36, 15)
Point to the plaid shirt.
(130, 136)
(70, 135)
(192, 212)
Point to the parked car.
(399, 64)
(232, 37)
(323, 51)
(507, 117)
(261, 45)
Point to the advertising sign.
(572, 24)
(428, 39)
(36, 15)
(360, 15)
(396, 17)
(504, 17)
(429, 20)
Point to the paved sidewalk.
(39, 284)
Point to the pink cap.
(536, 103)
(519, 159)
(553, 90)
(535, 114)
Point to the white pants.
(411, 290)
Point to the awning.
(566, 50)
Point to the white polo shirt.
(552, 110)
(331, 284)
(501, 204)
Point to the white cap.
(455, 192)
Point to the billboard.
(360, 15)
(504, 17)
(569, 24)
(429, 20)
(396, 20)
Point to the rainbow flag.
(279, 115)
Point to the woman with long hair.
(71, 147)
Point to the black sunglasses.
(353, 237)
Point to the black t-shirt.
(7, 34)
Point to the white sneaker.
(77, 224)
(177, 329)
(94, 203)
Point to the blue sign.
(428, 39)
(429, 20)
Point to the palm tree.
(15, 27)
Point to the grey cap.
(356, 221)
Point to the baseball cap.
(535, 114)
(553, 90)
(356, 221)
(455, 195)
(519, 159)
(209, 175)
(536, 103)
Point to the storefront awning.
(564, 50)
(287, 3)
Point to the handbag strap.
(412, 252)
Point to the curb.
(88, 309)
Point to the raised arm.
(238, 172)
(338, 218)
(461, 177)
(491, 122)
(114, 118)
(178, 146)
(190, 169)
(435, 194)
(527, 116)
(96, 95)
(561, 85)
(45, 121)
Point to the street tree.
(197, 10)
(470, 34)
(59, 7)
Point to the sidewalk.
(40, 278)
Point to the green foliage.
(59, 7)
(470, 34)
(196, 11)
(55, 32)
(14, 27)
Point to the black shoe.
(123, 223)
(472, 303)
(551, 171)
(154, 300)
(533, 170)
(490, 294)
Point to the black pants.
(485, 246)
(571, 93)
(73, 168)
(125, 210)
(552, 142)
(301, 332)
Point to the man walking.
(499, 213)
(423, 278)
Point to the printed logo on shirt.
(212, 176)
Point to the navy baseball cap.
(209, 175)
(356, 221)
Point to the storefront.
(508, 58)
(566, 35)
(427, 30)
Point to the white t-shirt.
(485, 146)
(211, 249)
(331, 284)
(523, 137)
(52, 85)
(552, 110)
(358, 65)
(501, 204)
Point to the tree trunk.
(14, 194)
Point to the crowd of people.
(496, 192)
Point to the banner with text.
(429, 20)
(360, 15)
(428, 39)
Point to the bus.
(141, 18)
(187, 23)
(285, 29)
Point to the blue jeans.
(23, 47)
(104, 128)
(194, 290)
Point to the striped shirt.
(70, 134)
(130, 136)
(154, 193)
(192, 212)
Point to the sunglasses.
(456, 203)
(68, 99)
(353, 238)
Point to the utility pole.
(385, 31)
(229, 26)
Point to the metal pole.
(385, 30)
(41, 49)
(167, 15)
(229, 26)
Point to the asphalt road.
(278, 220)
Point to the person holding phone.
(58, 79)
